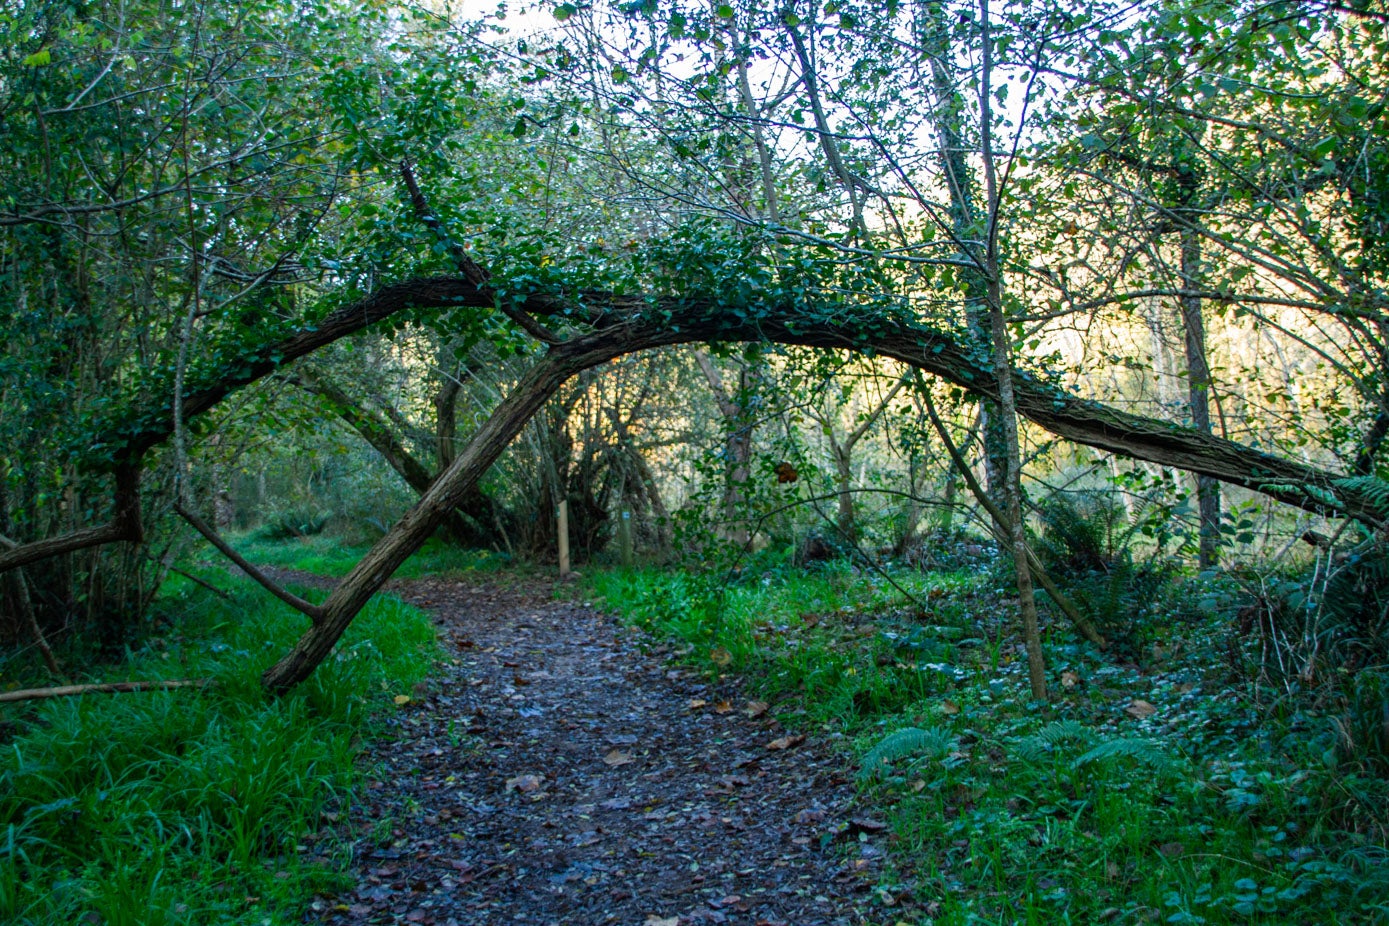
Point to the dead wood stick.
(65, 691)
(1087, 629)
(311, 610)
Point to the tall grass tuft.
(194, 806)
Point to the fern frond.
(1144, 751)
(908, 741)
(1046, 742)
(1060, 732)
(1370, 488)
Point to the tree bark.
(668, 321)
(737, 411)
(1198, 382)
(126, 524)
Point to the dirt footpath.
(556, 772)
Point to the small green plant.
(1086, 543)
(910, 741)
(289, 523)
(197, 806)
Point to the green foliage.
(1371, 488)
(287, 523)
(325, 555)
(188, 806)
(1208, 811)
(1087, 545)
(909, 741)
(1140, 751)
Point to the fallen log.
(67, 691)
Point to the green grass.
(198, 806)
(1211, 810)
(325, 555)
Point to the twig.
(20, 584)
(470, 268)
(64, 691)
(1087, 629)
(313, 611)
(203, 582)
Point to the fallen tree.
(644, 323)
(664, 324)
(608, 326)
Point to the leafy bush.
(197, 806)
(1086, 545)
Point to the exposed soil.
(559, 769)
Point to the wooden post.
(564, 538)
(624, 536)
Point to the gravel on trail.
(558, 768)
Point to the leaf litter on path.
(491, 808)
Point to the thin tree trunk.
(967, 224)
(1198, 390)
(1003, 373)
(737, 411)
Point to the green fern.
(1041, 746)
(1143, 751)
(909, 741)
(1356, 597)
(1370, 488)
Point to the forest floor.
(558, 768)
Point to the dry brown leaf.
(617, 757)
(756, 708)
(1140, 709)
(723, 707)
(401, 699)
(1069, 679)
(525, 783)
(720, 656)
(786, 742)
(949, 707)
(697, 703)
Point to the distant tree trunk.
(843, 482)
(842, 454)
(1198, 378)
(738, 410)
(445, 413)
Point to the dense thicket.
(1155, 232)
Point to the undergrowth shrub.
(286, 523)
(1087, 544)
(196, 806)
(1320, 639)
